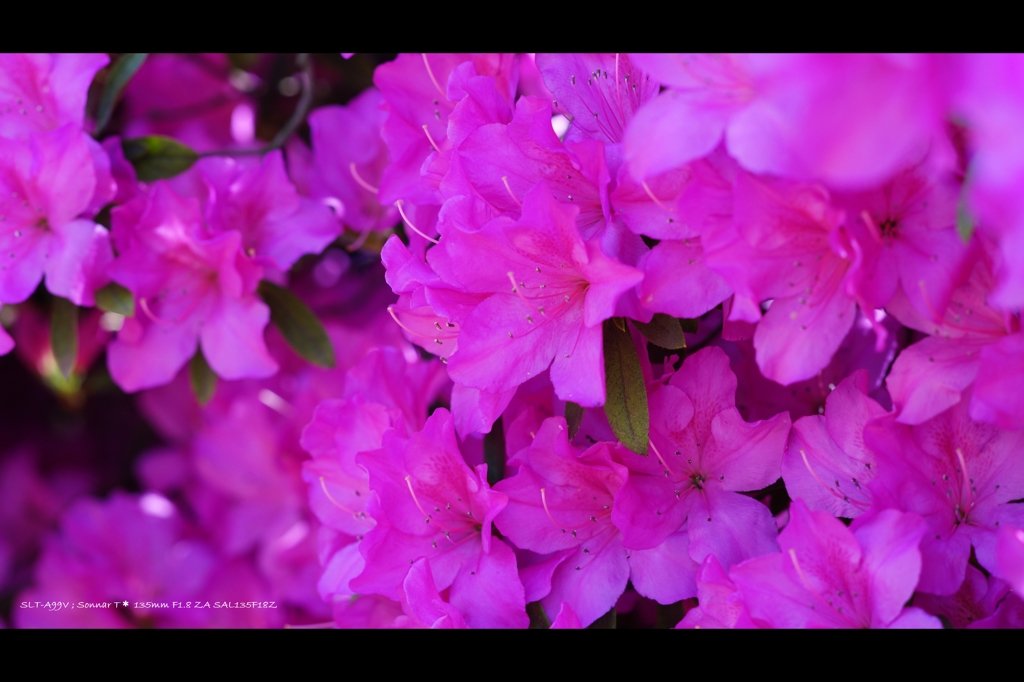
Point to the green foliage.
(626, 395)
(201, 377)
(299, 326)
(64, 335)
(119, 75)
(156, 157)
(114, 298)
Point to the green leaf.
(64, 335)
(157, 158)
(202, 377)
(538, 619)
(663, 331)
(494, 452)
(625, 392)
(964, 221)
(114, 298)
(573, 418)
(299, 326)
(118, 76)
(689, 326)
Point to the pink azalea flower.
(566, 619)
(979, 603)
(41, 92)
(779, 245)
(560, 502)
(760, 398)
(185, 96)
(831, 576)
(826, 463)
(258, 201)
(423, 605)
(972, 343)
(960, 476)
(419, 102)
(849, 120)
(988, 94)
(348, 158)
(46, 183)
(599, 92)
(190, 289)
(719, 604)
(502, 163)
(681, 502)
(429, 503)
(904, 236)
(678, 282)
(561, 290)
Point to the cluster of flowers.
(741, 332)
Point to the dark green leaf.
(689, 326)
(156, 157)
(64, 335)
(120, 73)
(605, 622)
(494, 452)
(626, 396)
(538, 619)
(297, 323)
(114, 298)
(964, 221)
(663, 331)
(573, 418)
(202, 377)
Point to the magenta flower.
(429, 503)
(188, 97)
(560, 502)
(980, 603)
(419, 102)
(46, 183)
(41, 92)
(348, 158)
(683, 497)
(191, 290)
(831, 576)
(779, 246)
(566, 619)
(904, 236)
(258, 201)
(599, 92)
(827, 464)
(720, 605)
(988, 94)
(849, 120)
(423, 605)
(549, 292)
(961, 476)
(972, 343)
